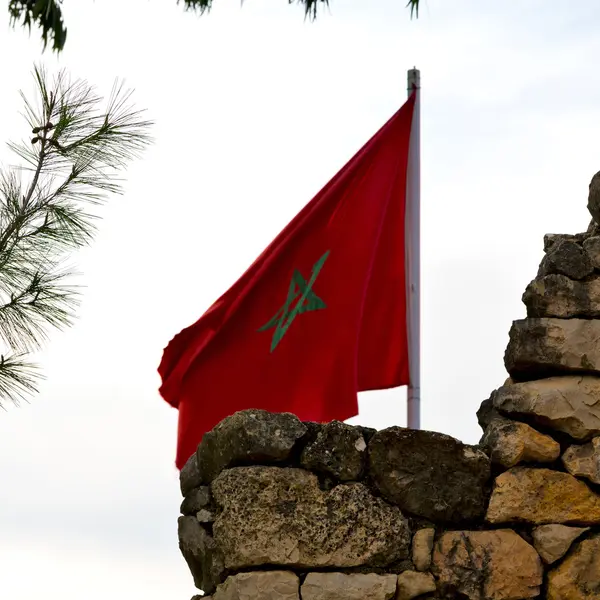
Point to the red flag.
(318, 317)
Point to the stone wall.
(277, 509)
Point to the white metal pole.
(413, 256)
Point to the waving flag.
(318, 317)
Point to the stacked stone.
(542, 427)
(277, 509)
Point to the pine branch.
(310, 6)
(70, 165)
(45, 300)
(414, 8)
(46, 14)
(18, 377)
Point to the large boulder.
(338, 451)
(201, 554)
(248, 436)
(429, 474)
(543, 347)
(553, 541)
(584, 460)
(280, 516)
(487, 565)
(568, 258)
(509, 443)
(561, 297)
(351, 586)
(542, 496)
(578, 576)
(260, 585)
(569, 404)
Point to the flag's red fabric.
(319, 316)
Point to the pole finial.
(413, 79)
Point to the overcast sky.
(255, 110)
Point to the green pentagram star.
(300, 290)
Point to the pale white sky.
(255, 110)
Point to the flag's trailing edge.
(318, 317)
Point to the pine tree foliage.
(47, 15)
(70, 164)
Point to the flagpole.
(413, 256)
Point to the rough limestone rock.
(592, 246)
(542, 496)
(412, 584)
(248, 436)
(354, 586)
(487, 565)
(508, 443)
(543, 347)
(338, 451)
(569, 404)
(593, 204)
(561, 297)
(422, 545)
(280, 516)
(578, 576)
(205, 516)
(201, 554)
(429, 474)
(584, 461)
(189, 476)
(367, 432)
(593, 230)
(553, 541)
(260, 585)
(568, 258)
(551, 239)
(196, 500)
(487, 413)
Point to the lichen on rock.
(280, 516)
